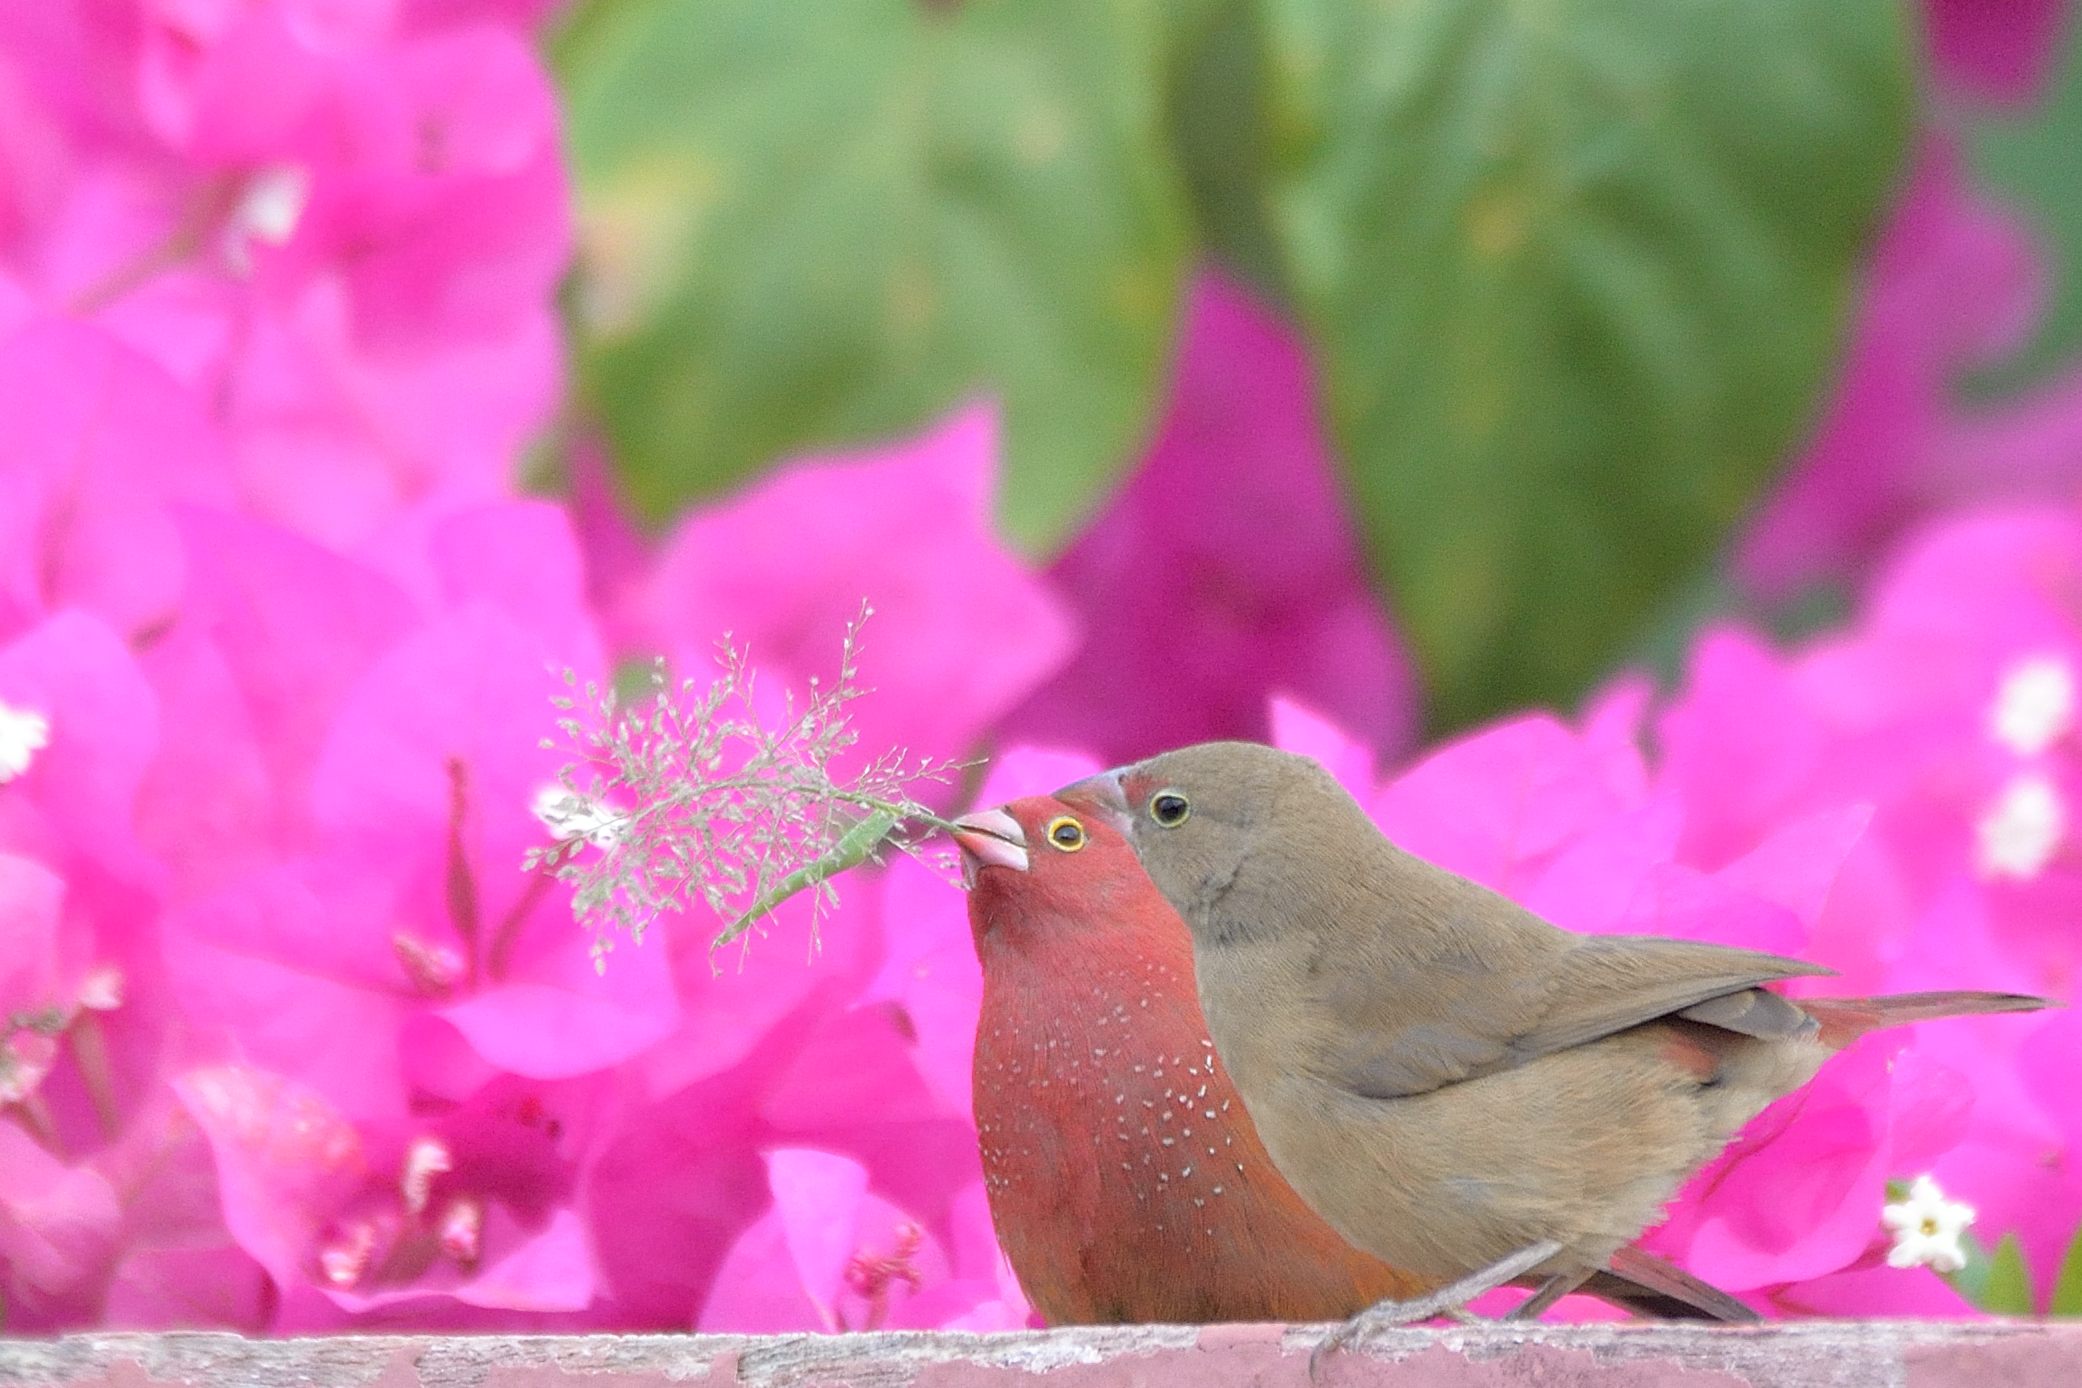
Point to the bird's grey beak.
(989, 838)
(1104, 797)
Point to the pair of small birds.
(1347, 1083)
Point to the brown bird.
(1455, 1085)
(1126, 1181)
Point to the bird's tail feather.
(1638, 1281)
(1844, 1020)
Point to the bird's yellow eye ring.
(1169, 809)
(1066, 833)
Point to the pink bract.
(962, 630)
(1226, 569)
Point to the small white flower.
(571, 816)
(273, 203)
(2019, 835)
(266, 214)
(23, 733)
(1926, 1228)
(2035, 705)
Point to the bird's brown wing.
(1487, 1001)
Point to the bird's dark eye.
(1066, 833)
(1169, 808)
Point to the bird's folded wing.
(1492, 1011)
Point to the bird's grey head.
(1214, 818)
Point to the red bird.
(1126, 1182)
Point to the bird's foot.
(1449, 1300)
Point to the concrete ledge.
(1867, 1354)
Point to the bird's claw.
(1450, 1300)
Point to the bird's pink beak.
(1105, 797)
(989, 838)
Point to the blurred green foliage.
(814, 223)
(1576, 270)
(2067, 1284)
(1578, 267)
(1997, 1281)
(2034, 159)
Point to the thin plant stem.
(700, 793)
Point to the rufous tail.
(1844, 1020)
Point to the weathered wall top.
(1889, 1354)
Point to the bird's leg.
(1446, 1301)
(1551, 1291)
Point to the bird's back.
(1449, 1078)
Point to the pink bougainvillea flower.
(962, 630)
(983, 1294)
(1996, 50)
(289, 625)
(228, 84)
(834, 1254)
(733, 1003)
(100, 440)
(1227, 569)
(410, 338)
(34, 980)
(59, 1232)
(82, 726)
(415, 907)
(1798, 1195)
(1496, 805)
(343, 234)
(524, 15)
(284, 1158)
(471, 1204)
(1949, 707)
(680, 1179)
(400, 917)
(1297, 728)
(1884, 452)
(2025, 446)
(2011, 1154)
(177, 1264)
(80, 1026)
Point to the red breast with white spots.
(1125, 1179)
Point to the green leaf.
(1219, 127)
(1580, 269)
(1998, 1282)
(2007, 1291)
(809, 224)
(2067, 1285)
(2029, 159)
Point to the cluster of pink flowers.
(288, 1041)
(1955, 283)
